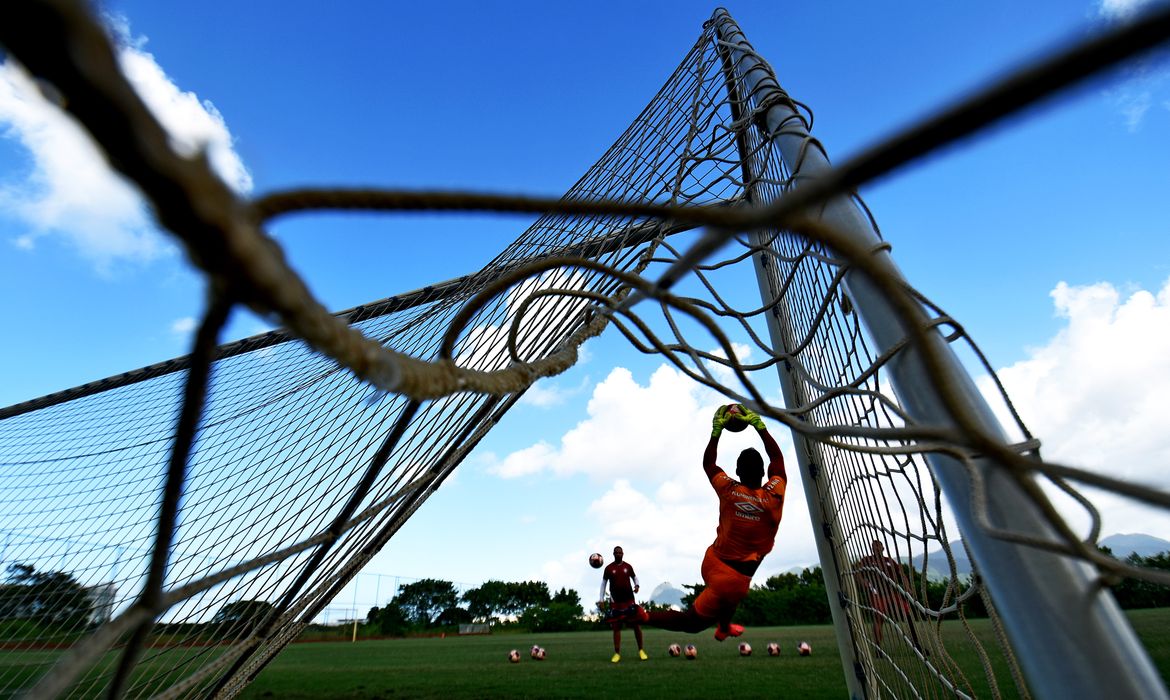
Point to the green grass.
(578, 666)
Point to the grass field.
(578, 666)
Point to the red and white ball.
(514, 656)
(734, 421)
(773, 649)
(538, 654)
(804, 649)
(690, 652)
(534, 651)
(745, 649)
(674, 650)
(596, 560)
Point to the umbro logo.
(746, 507)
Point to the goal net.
(190, 518)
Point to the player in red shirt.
(623, 584)
(749, 514)
(887, 587)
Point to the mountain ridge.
(1121, 544)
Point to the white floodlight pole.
(1069, 634)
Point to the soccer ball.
(535, 651)
(734, 422)
(514, 656)
(596, 560)
(674, 650)
(773, 649)
(538, 654)
(804, 649)
(690, 652)
(745, 649)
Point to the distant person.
(623, 584)
(887, 589)
(749, 514)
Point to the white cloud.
(183, 326)
(642, 445)
(1134, 106)
(1121, 9)
(1144, 80)
(70, 192)
(630, 427)
(485, 347)
(1095, 394)
(194, 124)
(546, 393)
(529, 460)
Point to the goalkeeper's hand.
(718, 420)
(752, 418)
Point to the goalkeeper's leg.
(675, 621)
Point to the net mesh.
(207, 508)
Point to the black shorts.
(628, 613)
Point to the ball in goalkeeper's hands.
(735, 417)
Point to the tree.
(51, 598)
(389, 620)
(496, 599)
(1136, 593)
(569, 597)
(241, 616)
(787, 599)
(527, 594)
(423, 601)
(454, 616)
(555, 617)
(695, 589)
(488, 601)
(562, 613)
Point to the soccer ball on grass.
(804, 649)
(773, 649)
(690, 652)
(674, 650)
(745, 649)
(514, 656)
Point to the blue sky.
(1048, 237)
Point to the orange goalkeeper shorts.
(725, 586)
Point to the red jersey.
(621, 578)
(748, 518)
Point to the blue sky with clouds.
(1047, 237)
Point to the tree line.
(55, 600)
(431, 603)
(31, 600)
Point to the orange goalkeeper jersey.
(748, 518)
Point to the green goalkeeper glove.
(718, 420)
(752, 418)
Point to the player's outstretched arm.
(712, 452)
(775, 456)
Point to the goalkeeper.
(749, 514)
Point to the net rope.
(273, 468)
